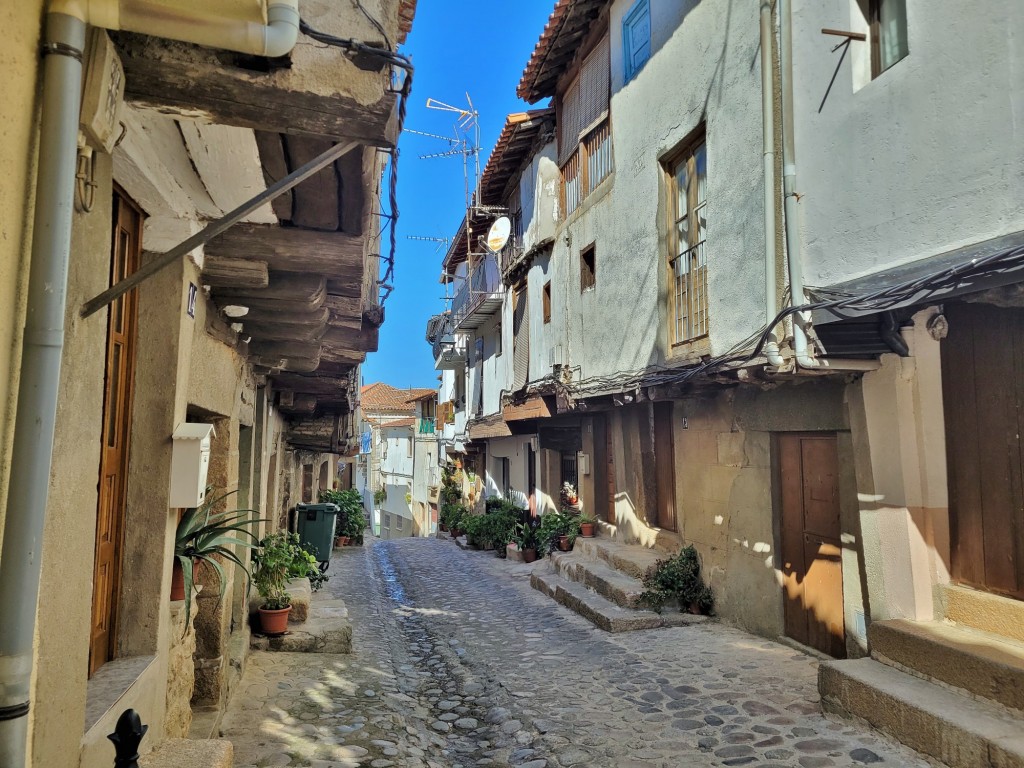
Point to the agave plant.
(202, 534)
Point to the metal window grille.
(688, 265)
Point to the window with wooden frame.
(547, 302)
(588, 267)
(686, 177)
(584, 130)
(497, 341)
(887, 22)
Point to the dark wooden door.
(117, 408)
(610, 472)
(983, 402)
(665, 465)
(811, 549)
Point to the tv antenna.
(442, 242)
(464, 142)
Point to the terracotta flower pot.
(586, 530)
(340, 541)
(564, 544)
(177, 581)
(274, 622)
(529, 555)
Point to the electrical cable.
(906, 293)
(402, 62)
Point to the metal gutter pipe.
(43, 342)
(801, 352)
(192, 24)
(42, 347)
(771, 347)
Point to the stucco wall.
(621, 323)
(19, 61)
(925, 158)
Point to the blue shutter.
(636, 38)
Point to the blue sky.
(479, 46)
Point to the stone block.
(302, 594)
(180, 676)
(731, 451)
(190, 753)
(987, 612)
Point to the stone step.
(326, 631)
(632, 559)
(190, 753)
(959, 731)
(984, 664)
(597, 610)
(616, 586)
(985, 611)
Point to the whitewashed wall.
(927, 157)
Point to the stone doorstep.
(327, 630)
(985, 611)
(981, 663)
(961, 732)
(633, 560)
(594, 608)
(619, 588)
(302, 596)
(190, 753)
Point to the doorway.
(808, 466)
(983, 393)
(126, 250)
(664, 464)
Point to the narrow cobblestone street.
(458, 662)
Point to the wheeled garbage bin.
(316, 528)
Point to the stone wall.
(180, 673)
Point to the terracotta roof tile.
(384, 397)
(567, 26)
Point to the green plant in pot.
(273, 565)
(527, 540)
(678, 579)
(203, 536)
(348, 528)
(587, 523)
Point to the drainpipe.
(801, 351)
(771, 347)
(43, 341)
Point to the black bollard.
(127, 736)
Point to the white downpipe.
(43, 340)
(801, 351)
(191, 24)
(771, 347)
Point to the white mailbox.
(583, 463)
(190, 460)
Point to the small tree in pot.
(272, 565)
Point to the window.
(888, 24)
(387, 520)
(588, 268)
(687, 189)
(636, 38)
(497, 341)
(506, 477)
(584, 134)
(408, 443)
(399, 522)
(547, 302)
(428, 408)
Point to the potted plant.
(273, 564)
(348, 527)
(678, 578)
(203, 536)
(526, 540)
(379, 497)
(587, 523)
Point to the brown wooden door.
(983, 397)
(665, 465)
(117, 407)
(610, 471)
(811, 549)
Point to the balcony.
(480, 296)
(449, 350)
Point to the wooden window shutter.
(569, 125)
(594, 85)
(521, 339)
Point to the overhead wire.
(842, 305)
(399, 61)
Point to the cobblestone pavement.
(457, 662)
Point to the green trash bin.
(316, 528)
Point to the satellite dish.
(498, 234)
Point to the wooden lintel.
(175, 78)
(362, 340)
(219, 271)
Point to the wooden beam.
(275, 332)
(294, 249)
(317, 204)
(221, 272)
(363, 340)
(176, 78)
(286, 316)
(304, 291)
(271, 149)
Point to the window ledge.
(589, 202)
(110, 683)
(688, 352)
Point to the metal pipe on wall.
(43, 342)
(771, 347)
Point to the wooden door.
(117, 407)
(811, 549)
(610, 472)
(664, 465)
(983, 397)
